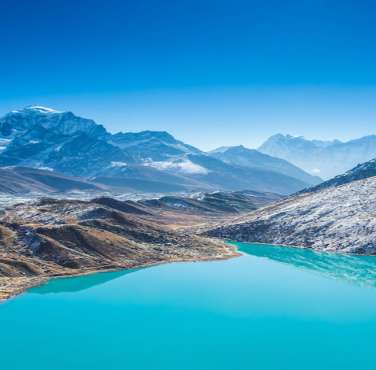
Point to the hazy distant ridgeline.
(252, 158)
(322, 158)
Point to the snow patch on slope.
(184, 166)
(118, 164)
(4, 143)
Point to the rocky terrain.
(340, 218)
(215, 203)
(50, 237)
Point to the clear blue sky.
(212, 72)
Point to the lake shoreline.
(325, 251)
(13, 287)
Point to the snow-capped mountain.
(322, 158)
(251, 158)
(42, 137)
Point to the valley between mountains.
(75, 199)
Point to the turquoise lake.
(273, 308)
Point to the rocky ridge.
(339, 219)
(361, 171)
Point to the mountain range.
(147, 161)
(322, 158)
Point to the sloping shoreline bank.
(339, 219)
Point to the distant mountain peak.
(287, 138)
(280, 136)
(224, 149)
(238, 147)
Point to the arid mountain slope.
(68, 237)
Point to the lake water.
(273, 308)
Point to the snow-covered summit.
(38, 118)
(36, 109)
